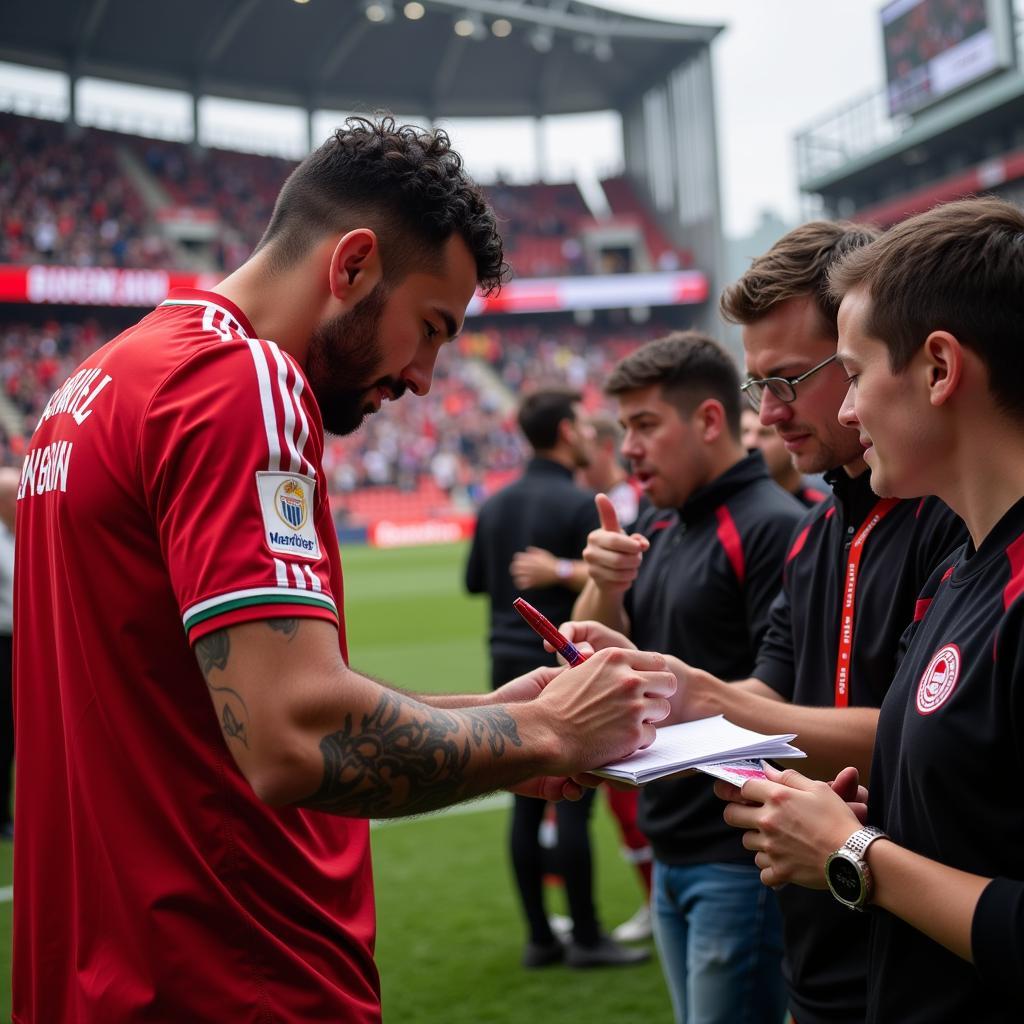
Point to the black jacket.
(543, 508)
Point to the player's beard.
(345, 355)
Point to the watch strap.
(859, 842)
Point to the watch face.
(845, 879)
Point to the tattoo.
(287, 626)
(407, 755)
(233, 728)
(213, 652)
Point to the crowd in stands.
(67, 200)
(455, 440)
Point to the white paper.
(707, 741)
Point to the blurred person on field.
(603, 473)
(197, 759)
(544, 508)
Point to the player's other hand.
(527, 686)
(613, 557)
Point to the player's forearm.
(937, 900)
(832, 738)
(406, 757)
(602, 606)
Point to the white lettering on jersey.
(45, 469)
(286, 501)
(75, 395)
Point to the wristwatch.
(563, 568)
(846, 870)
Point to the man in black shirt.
(929, 339)
(853, 573)
(712, 553)
(543, 508)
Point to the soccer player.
(929, 341)
(852, 577)
(712, 551)
(196, 757)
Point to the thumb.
(606, 511)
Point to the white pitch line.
(494, 802)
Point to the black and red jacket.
(826, 944)
(703, 594)
(945, 783)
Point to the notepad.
(704, 745)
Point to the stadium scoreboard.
(934, 48)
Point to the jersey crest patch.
(286, 501)
(939, 679)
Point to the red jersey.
(173, 487)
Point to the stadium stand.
(66, 201)
(73, 202)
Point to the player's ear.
(943, 357)
(355, 266)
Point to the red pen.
(545, 629)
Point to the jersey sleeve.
(229, 459)
(997, 930)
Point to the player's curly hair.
(404, 182)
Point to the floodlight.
(414, 10)
(501, 27)
(379, 11)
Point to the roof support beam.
(237, 15)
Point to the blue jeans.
(719, 934)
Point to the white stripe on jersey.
(267, 405)
(299, 580)
(314, 580)
(282, 572)
(298, 463)
(228, 322)
(297, 389)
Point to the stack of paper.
(705, 745)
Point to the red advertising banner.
(110, 286)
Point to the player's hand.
(792, 823)
(550, 787)
(534, 567)
(607, 708)
(528, 686)
(590, 636)
(613, 558)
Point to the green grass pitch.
(449, 929)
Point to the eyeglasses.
(783, 388)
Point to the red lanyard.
(849, 597)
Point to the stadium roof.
(514, 57)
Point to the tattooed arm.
(307, 730)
